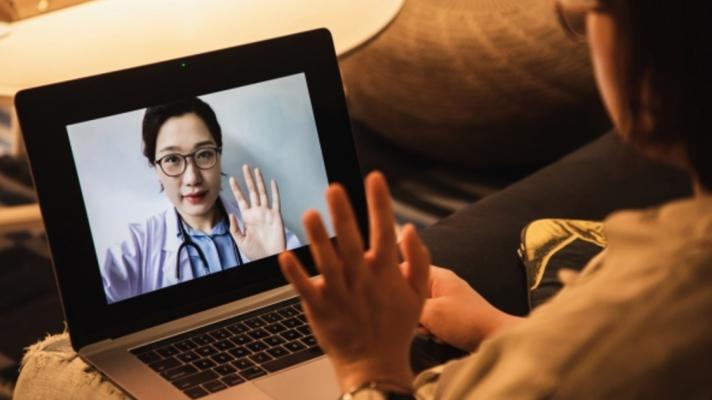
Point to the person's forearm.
(502, 322)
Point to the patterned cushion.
(552, 248)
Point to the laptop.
(213, 318)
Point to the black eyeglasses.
(572, 16)
(174, 164)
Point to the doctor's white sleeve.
(121, 272)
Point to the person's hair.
(155, 117)
(664, 62)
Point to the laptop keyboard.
(227, 353)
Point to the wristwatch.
(373, 391)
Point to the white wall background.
(269, 125)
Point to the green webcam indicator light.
(183, 65)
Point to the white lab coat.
(146, 261)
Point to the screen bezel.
(45, 112)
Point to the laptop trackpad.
(314, 381)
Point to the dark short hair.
(155, 117)
(663, 47)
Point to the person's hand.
(363, 308)
(457, 314)
(263, 233)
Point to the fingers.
(325, 258)
(348, 237)
(241, 203)
(293, 271)
(261, 192)
(256, 190)
(251, 189)
(417, 257)
(275, 195)
(381, 221)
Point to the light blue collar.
(220, 228)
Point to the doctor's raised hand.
(262, 233)
(364, 307)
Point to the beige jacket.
(635, 323)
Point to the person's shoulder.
(153, 223)
(678, 233)
(687, 218)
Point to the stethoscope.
(188, 242)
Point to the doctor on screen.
(204, 232)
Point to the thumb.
(432, 313)
(237, 234)
(417, 261)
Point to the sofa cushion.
(476, 83)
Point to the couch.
(480, 242)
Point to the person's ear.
(158, 175)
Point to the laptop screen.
(134, 182)
(157, 183)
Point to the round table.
(106, 35)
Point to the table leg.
(23, 217)
(17, 148)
